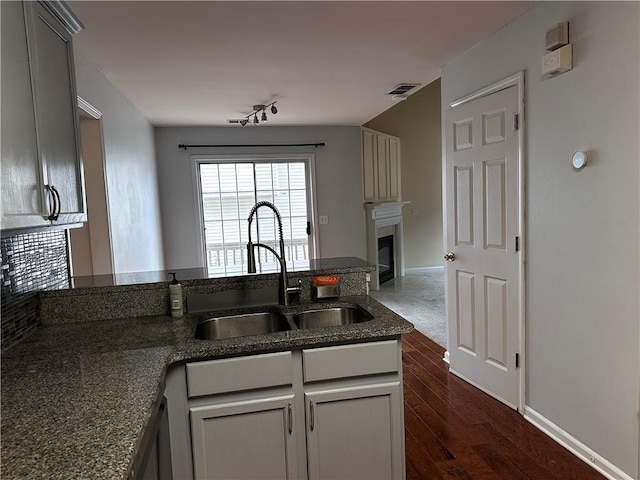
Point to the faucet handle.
(296, 289)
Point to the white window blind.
(229, 191)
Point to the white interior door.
(483, 268)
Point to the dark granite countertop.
(191, 276)
(76, 397)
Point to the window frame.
(310, 167)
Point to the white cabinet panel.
(380, 166)
(349, 360)
(369, 155)
(382, 183)
(355, 433)
(23, 194)
(53, 83)
(236, 374)
(245, 440)
(394, 168)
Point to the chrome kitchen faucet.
(284, 290)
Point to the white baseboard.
(576, 447)
(423, 270)
(446, 357)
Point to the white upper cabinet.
(380, 166)
(23, 199)
(42, 178)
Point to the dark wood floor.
(455, 431)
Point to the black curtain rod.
(183, 146)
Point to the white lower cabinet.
(245, 440)
(355, 433)
(323, 413)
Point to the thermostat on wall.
(558, 61)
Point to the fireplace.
(386, 266)
(385, 220)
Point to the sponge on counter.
(325, 286)
(322, 280)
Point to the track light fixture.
(256, 110)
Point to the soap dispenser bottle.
(175, 297)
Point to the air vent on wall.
(403, 88)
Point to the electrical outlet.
(414, 212)
(323, 219)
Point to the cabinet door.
(23, 194)
(382, 181)
(369, 155)
(245, 440)
(55, 99)
(394, 169)
(355, 433)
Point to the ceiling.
(324, 62)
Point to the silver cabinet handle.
(56, 214)
(312, 415)
(290, 419)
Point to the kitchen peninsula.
(78, 395)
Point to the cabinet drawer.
(350, 360)
(236, 374)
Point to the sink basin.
(331, 317)
(241, 326)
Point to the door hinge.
(308, 228)
(517, 244)
(517, 360)
(516, 122)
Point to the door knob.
(450, 257)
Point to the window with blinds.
(229, 191)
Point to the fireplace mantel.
(380, 215)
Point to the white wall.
(582, 241)
(131, 176)
(338, 183)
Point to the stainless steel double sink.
(273, 320)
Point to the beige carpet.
(419, 299)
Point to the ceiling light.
(262, 109)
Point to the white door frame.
(92, 112)
(308, 158)
(517, 80)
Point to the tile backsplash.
(30, 262)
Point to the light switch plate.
(323, 219)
